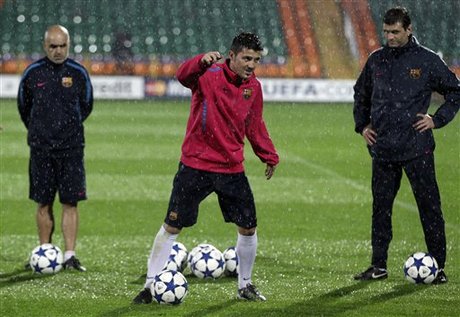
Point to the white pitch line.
(352, 183)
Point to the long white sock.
(159, 254)
(246, 247)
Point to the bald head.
(56, 44)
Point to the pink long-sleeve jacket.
(224, 110)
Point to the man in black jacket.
(55, 97)
(392, 97)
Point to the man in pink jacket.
(226, 107)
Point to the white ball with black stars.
(46, 259)
(178, 258)
(169, 287)
(191, 254)
(231, 262)
(208, 263)
(420, 267)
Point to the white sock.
(246, 247)
(68, 255)
(159, 254)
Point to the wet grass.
(314, 220)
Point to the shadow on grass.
(19, 276)
(212, 310)
(190, 277)
(167, 310)
(341, 300)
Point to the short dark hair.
(246, 40)
(397, 14)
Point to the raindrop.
(78, 48)
(176, 31)
(76, 19)
(149, 40)
(163, 40)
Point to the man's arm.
(447, 84)
(257, 134)
(24, 101)
(86, 98)
(362, 97)
(189, 72)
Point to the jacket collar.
(232, 76)
(412, 43)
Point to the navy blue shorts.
(192, 186)
(57, 171)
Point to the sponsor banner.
(165, 88)
(274, 89)
(105, 87)
(118, 87)
(9, 85)
(136, 87)
(307, 90)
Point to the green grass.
(314, 220)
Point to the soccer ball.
(178, 258)
(169, 287)
(420, 267)
(208, 263)
(231, 262)
(46, 259)
(191, 254)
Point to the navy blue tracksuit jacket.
(395, 85)
(53, 101)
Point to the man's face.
(395, 34)
(57, 46)
(245, 62)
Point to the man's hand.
(269, 171)
(425, 123)
(210, 58)
(369, 134)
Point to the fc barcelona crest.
(67, 82)
(247, 93)
(415, 73)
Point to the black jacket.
(395, 85)
(53, 101)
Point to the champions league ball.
(420, 267)
(178, 258)
(208, 263)
(231, 262)
(204, 246)
(169, 287)
(46, 259)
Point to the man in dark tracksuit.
(55, 97)
(392, 97)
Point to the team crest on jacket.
(415, 73)
(67, 82)
(247, 93)
(172, 215)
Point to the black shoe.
(250, 293)
(144, 297)
(372, 273)
(74, 263)
(441, 278)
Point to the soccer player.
(392, 96)
(55, 97)
(226, 107)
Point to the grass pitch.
(314, 220)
